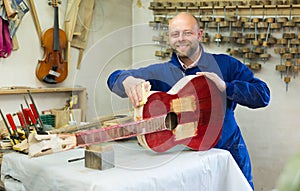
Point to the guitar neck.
(121, 131)
(56, 43)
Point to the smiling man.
(184, 37)
(232, 78)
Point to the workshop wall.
(19, 68)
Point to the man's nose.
(181, 36)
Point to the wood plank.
(7, 90)
(36, 19)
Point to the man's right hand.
(133, 88)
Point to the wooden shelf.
(81, 92)
(6, 91)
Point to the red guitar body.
(195, 108)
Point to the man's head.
(184, 35)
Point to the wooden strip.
(295, 68)
(23, 90)
(15, 42)
(264, 56)
(281, 68)
(288, 35)
(69, 25)
(275, 26)
(36, 19)
(287, 56)
(254, 66)
(288, 63)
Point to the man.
(230, 76)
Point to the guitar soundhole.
(171, 120)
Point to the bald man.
(231, 77)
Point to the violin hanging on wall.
(53, 68)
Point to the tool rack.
(249, 29)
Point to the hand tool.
(23, 124)
(35, 111)
(13, 125)
(8, 129)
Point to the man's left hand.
(221, 85)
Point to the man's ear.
(200, 34)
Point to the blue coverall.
(241, 88)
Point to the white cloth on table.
(135, 169)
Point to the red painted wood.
(209, 114)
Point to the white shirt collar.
(193, 64)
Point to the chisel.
(35, 112)
(23, 125)
(8, 129)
